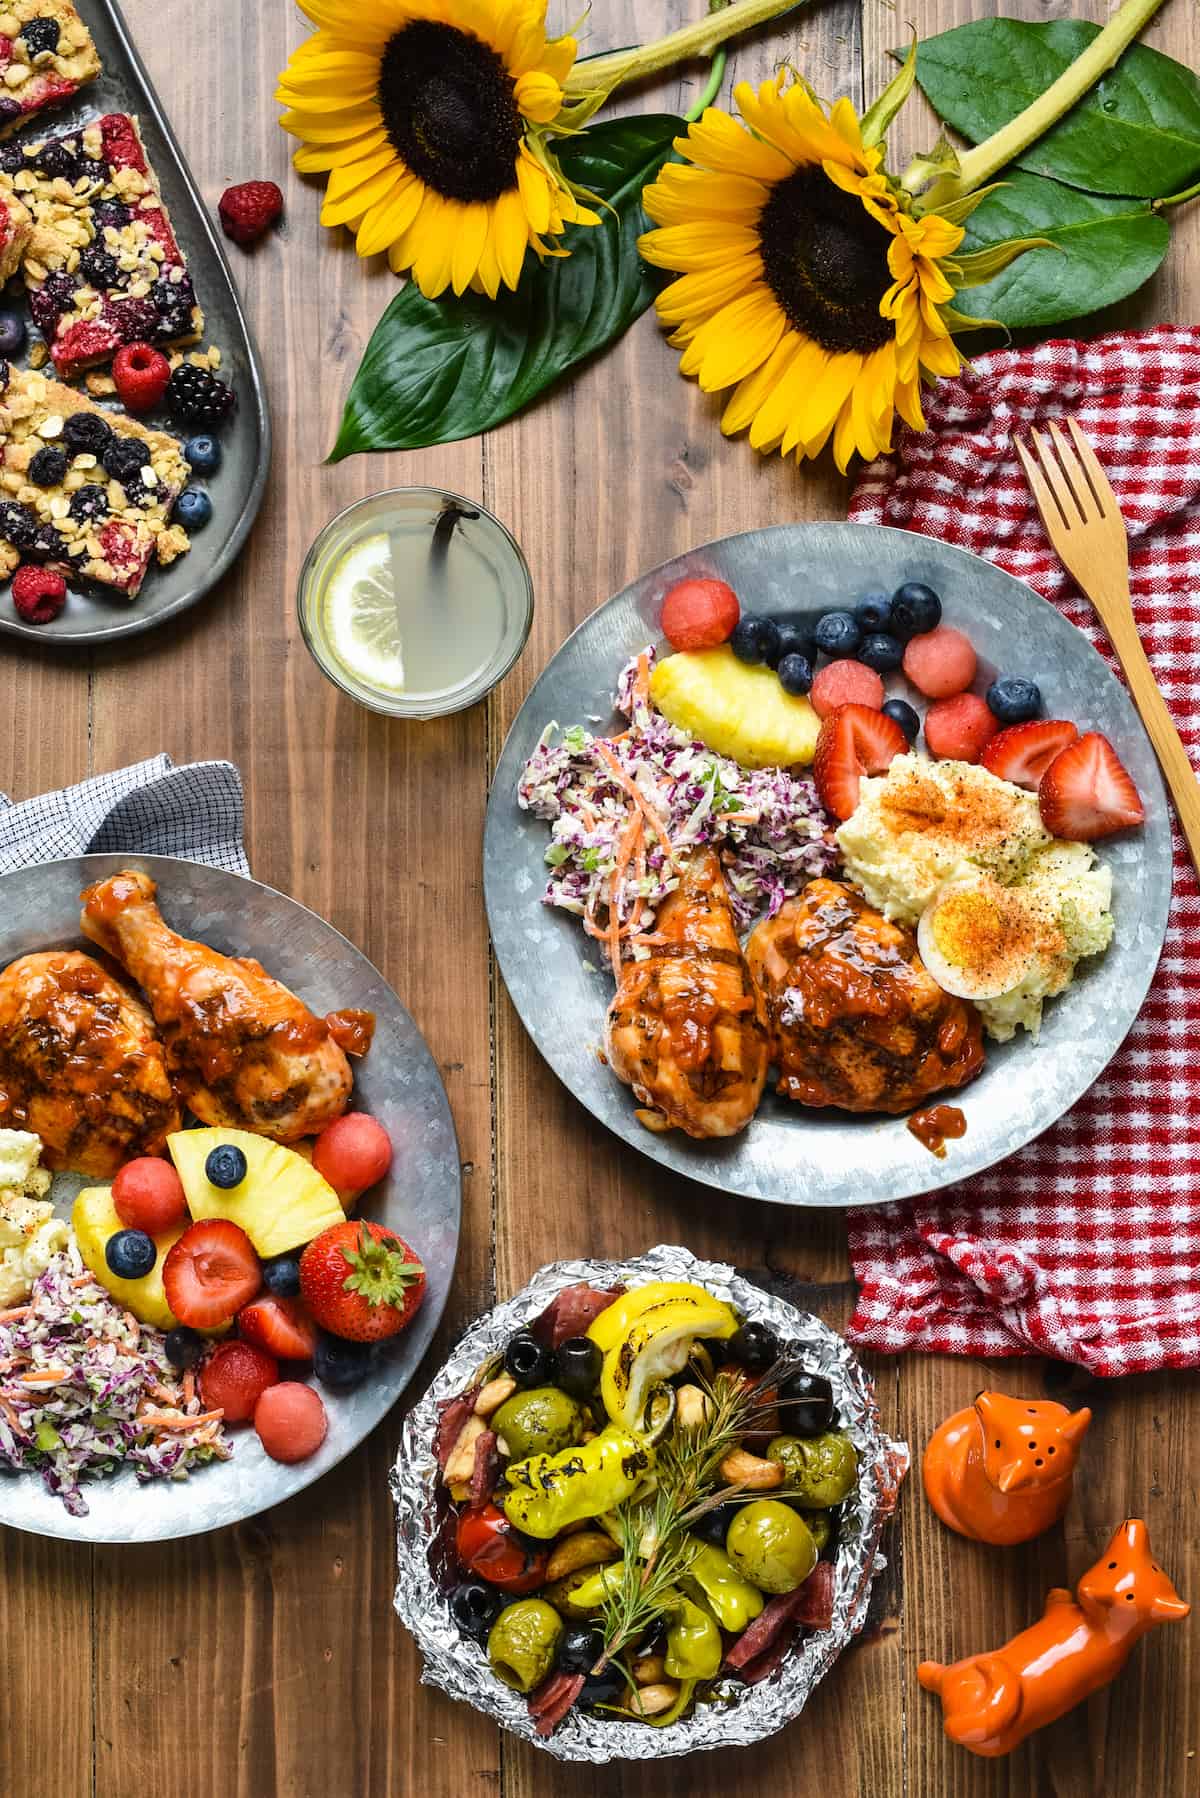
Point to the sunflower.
(807, 284)
(431, 119)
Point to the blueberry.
(89, 502)
(806, 1404)
(475, 1607)
(579, 1648)
(795, 637)
(795, 674)
(204, 454)
(1014, 699)
(41, 36)
(87, 433)
(577, 1363)
(193, 508)
(916, 609)
(527, 1361)
(281, 1275)
(768, 641)
(130, 1254)
(881, 652)
(339, 1364)
(225, 1167)
(754, 1347)
(13, 335)
(183, 1347)
(48, 467)
(901, 713)
(837, 634)
(747, 639)
(874, 613)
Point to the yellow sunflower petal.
(535, 196)
(753, 390)
(718, 142)
(908, 402)
(940, 355)
(317, 159)
(320, 129)
(471, 233)
(682, 194)
(351, 199)
(441, 221)
(384, 222)
(327, 95)
(510, 229)
(558, 58)
(766, 115)
(695, 296)
(825, 399)
(843, 436)
(527, 47)
(538, 96)
(356, 23)
(735, 340)
(487, 275)
(702, 245)
(786, 406)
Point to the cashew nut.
(652, 1700)
(493, 1395)
(461, 1464)
(691, 1407)
(742, 1469)
(584, 1550)
(648, 1671)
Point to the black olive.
(475, 1607)
(602, 1688)
(718, 1352)
(806, 1404)
(579, 1649)
(527, 1361)
(714, 1525)
(754, 1347)
(578, 1362)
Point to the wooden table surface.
(266, 1659)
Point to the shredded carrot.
(639, 799)
(175, 1420)
(189, 1387)
(625, 849)
(82, 1280)
(45, 1376)
(641, 683)
(160, 1392)
(11, 1415)
(10, 1317)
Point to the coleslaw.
(85, 1388)
(622, 811)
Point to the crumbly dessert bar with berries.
(46, 55)
(16, 225)
(82, 490)
(103, 267)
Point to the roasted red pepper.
(488, 1545)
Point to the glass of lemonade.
(415, 602)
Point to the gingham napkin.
(1086, 1244)
(152, 808)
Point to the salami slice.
(571, 1312)
(553, 1699)
(486, 1470)
(810, 1604)
(452, 1415)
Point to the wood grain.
(266, 1660)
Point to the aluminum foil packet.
(735, 1714)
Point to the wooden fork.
(1084, 523)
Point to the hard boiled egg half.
(980, 940)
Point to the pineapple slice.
(737, 710)
(282, 1202)
(94, 1219)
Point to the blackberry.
(197, 397)
(125, 458)
(12, 156)
(100, 267)
(89, 502)
(174, 301)
(41, 36)
(86, 433)
(48, 468)
(135, 320)
(17, 524)
(58, 161)
(48, 544)
(10, 109)
(111, 212)
(56, 293)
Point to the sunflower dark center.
(825, 260)
(449, 109)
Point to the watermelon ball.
(234, 1378)
(699, 614)
(845, 683)
(352, 1153)
(940, 663)
(147, 1195)
(291, 1421)
(960, 728)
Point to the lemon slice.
(610, 1325)
(362, 623)
(654, 1347)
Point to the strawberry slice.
(1023, 752)
(281, 1326)
(855, 740)
(1086, 793)
(210, 1273)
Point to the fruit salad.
(641, 1498)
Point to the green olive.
(523, 1643)
(820, 1528)
(561, 1592)
(541, 1421)
(771, 1546)
(821, 1469)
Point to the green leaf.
(438, 370)
(1136, 132)
(1111, 247)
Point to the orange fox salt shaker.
(1001, 1470)
(991, 1702)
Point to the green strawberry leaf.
(438, 370)
(1111, 246)
(1136, 132)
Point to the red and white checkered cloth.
(1086, 1244)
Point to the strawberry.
(234, 1378)
(1086, 793)
(1023, 752)
(281, 1326)
(361, 1281)
(855, 740)
(210, 1273)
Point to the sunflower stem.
(712, 88)
(978, 165)
(690, 42)
(1189, 193)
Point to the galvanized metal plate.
(396, 1082)
(791, 1156)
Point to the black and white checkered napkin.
(152, 808)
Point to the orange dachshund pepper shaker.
(993, 1701)
(1001, 1470)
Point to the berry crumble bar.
(46, 55)
(103, 267)
(81, 490)
(16, 224)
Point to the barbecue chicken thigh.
(81, 1065)
(687, 1028)
(245, 1053)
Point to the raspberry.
(141, 374)
(38, 595)
(249, 210)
